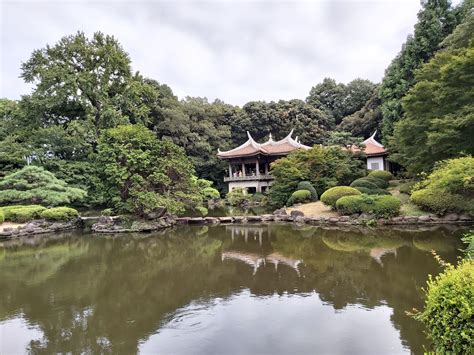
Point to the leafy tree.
(343, 139)
(323, 167)
(33, 184)
(439, 110)
(436, 20)
(142, 174)
(365, 121)
(339, 100)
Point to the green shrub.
(381, 174)
(237, 197)
(449, 188)
(107, 212)
(449, 309)
(306, 185)
(330, 196)
(380, 206)
(22, 213)
(407, 187)
(2, 217)
(375, 191)
(364, 183)
(258, 197)
(59, 214)
(437, 201)
(203, 211)
(299, 196)
(383, 184)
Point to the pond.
(267, 289)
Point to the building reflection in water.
(255, 258)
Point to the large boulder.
(296, 213)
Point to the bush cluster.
(380, 206)
(237, 197)
(449, 188)
(330, 196)
(407, 187)
(299, 196)
(22, 213)
(2, 216)
(59, 214)
(449, 309)
(376, 191)
(381, 174)
(306, 185)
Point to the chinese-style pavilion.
(376, 154)
(249, 163)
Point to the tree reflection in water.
(109, 293)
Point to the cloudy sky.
(237, 51)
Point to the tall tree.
(338, 99)
(439, 110)
(436, 20)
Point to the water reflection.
(196, 289)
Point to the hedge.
(449, 309)
(376, 191)
(298, 197)
(364, 183)
(59, 214)
(306, 185)
(379, 206)
(381, 174)
(383, 184)
(438, 202)
(22, 213)
(330, 196)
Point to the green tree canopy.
(436, 20)
(439, 110)
(143, 174)
(33, 184)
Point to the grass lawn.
(408, 208)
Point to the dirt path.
(314, 209)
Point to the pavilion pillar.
(243, 168)
(266, 168)
(257, 166)
(230, 170)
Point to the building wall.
(246, 184)
(376, 160)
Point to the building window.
(374, 166)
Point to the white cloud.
(235, 51)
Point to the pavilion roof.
(372, 147)
(270, 147)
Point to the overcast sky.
(237, 51)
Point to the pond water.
(266, 289)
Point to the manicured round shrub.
(306, 185)
(375, 191)
(299, 196)
(383, 184)
(59, 214)
(364, 183)
(385, 206)
(381, 174)
(237, 197)
(349, 204)
(211, 193)
(203, 211)
(380, 206)
(438, 202)
(330, 196)
(2, 217)
(449, 309)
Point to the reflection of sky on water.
(279, 325)
(16, 334)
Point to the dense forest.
(85, 94)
